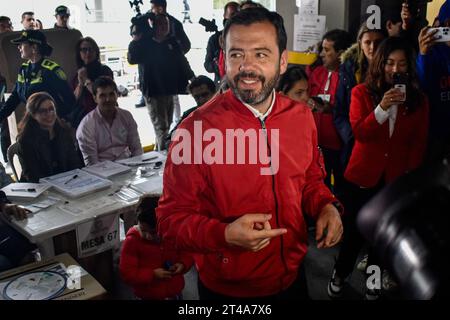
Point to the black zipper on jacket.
(263, 125)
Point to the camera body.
(210, 25)
(139, 23)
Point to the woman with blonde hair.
(352, 71)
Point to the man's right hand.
(252, 231)
(426, 40)
(13, 210)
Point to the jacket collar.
(244, 110)
(258, 114)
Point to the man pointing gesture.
(237, 197)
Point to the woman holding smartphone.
(390, 130)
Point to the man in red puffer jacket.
(240, 205)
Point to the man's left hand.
(328, 227)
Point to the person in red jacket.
(239, 206)
(390, 128)
(154, 268)
(323, 83)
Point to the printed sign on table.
(98, 235)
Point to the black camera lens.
(407, 224)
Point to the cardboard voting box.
(59, 278)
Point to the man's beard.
(252, 97)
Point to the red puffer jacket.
(140, 257)
(199, 200)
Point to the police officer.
(39, 74)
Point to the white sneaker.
(362, 265)
(335, 286)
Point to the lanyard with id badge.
(326, 97)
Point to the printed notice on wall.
(310, 7)
(308, 31)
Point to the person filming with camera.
(166, 71)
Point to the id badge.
(325, 97)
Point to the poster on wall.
(308, 31)
(308, 7)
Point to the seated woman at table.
(154, 268)
(13, 246)
(46, 144)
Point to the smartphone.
(318, 100)
(168, 265)
(442, 34)
(400, 81)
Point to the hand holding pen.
(13, 210)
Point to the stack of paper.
(143, 159)
(76, 183)
(107, 169)
(44, 204)
(152, 185)
(24, 190)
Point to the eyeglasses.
(87, 49)
(46, 111)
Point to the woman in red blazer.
(390, 127)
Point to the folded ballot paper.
(76, 183)
(21, 190)
(143, 159)
(107, 169)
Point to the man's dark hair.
(103, 82)
(201, 80)
(146, 210)
(5, 18)
(27, 13)
(391, 14)
(162, 3)
(290, 77)
(341, 38)
(250, 3)
(253, 15)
